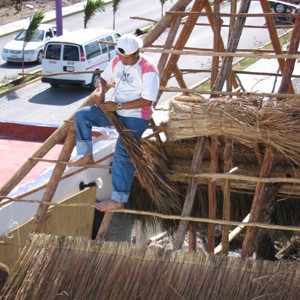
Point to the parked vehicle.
(79, 51)
(12, 51)
(284, 7)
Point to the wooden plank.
(191, 192)
(60, 220)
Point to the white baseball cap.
(128, 44)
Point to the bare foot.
(85, 160)
(109, 205)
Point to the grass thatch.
(151, 173)
(244, 120)
(52, 267)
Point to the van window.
(109, 39)
(103, 46)
(92, 50)
(71, 53)
(53, 51)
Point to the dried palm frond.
(51, 267)
(150, 173)
(240, 119)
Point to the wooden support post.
(191, 192)
(228, 153)
(169, 43)
(216, 32)
(181, 41)
(290, 63)
(216, 43)
(275, 39)
(226, 67)
(104, 225)
(257, 199)
(212, 198)
(192, 238)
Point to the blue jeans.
(122, 167)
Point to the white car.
(12, 51)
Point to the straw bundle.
(242, 119)
(151, 173)
(52, 267)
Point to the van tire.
(94, 83)
(39, 57)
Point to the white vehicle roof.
(82, 36)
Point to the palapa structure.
(232, 159)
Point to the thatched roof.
(245, 120)
(53, 267)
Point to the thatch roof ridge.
(52, 267)
(246, 120)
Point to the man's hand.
(109, 106)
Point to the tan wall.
(60, 220)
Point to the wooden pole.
(212, 198)
(165, 21)
(191, 192)
(257, 199)
(290, 63)
(228, 153)
(192, 238)
(104, 225)
(274, 38)
(54, 181)
(169, 43)
(216, 42)
(226, 67)
(181, 41)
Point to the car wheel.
(94, 83)
(54, 85)
(279, 8)
(39, 57)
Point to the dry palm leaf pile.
(244, 120)
(51, 267)
(151, 173)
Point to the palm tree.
(116, 4)
(91, 8)
(33, 25)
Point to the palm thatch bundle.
(151, 173)
(244, 120)
(52, 267)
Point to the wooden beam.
(54, 180)
(212, 197)
(257, 199)
(191, 192)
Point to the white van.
(78, 51)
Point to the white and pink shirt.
(140, 80)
